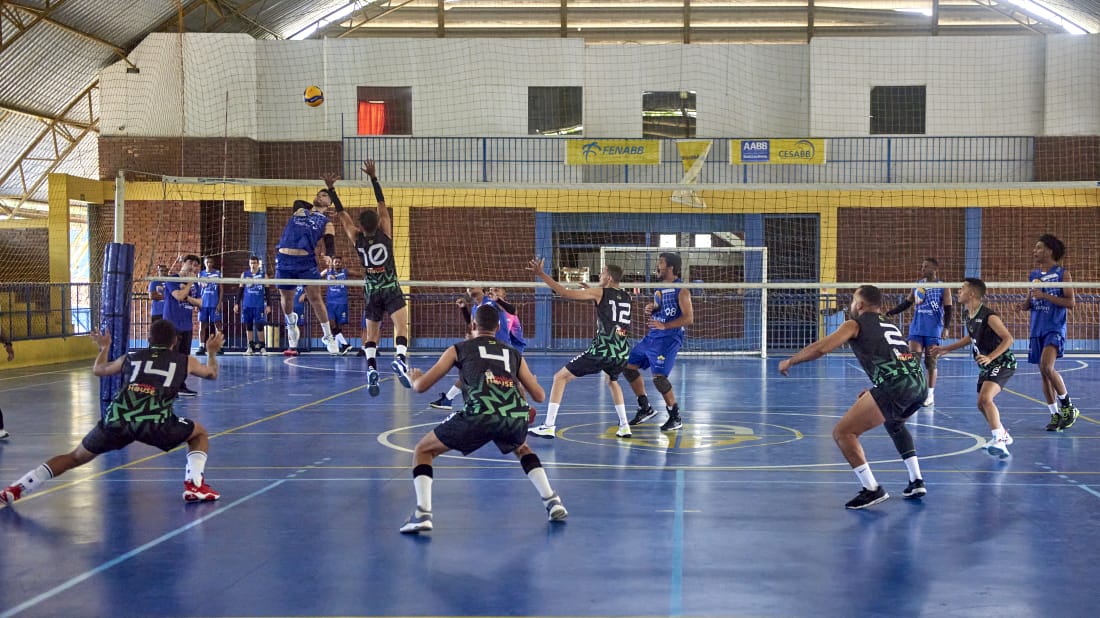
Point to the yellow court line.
(311, 404)
(1043, 403)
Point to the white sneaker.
(999, 447)
(419, 521)
(292, 335)
(542, 431)
(330, 344)
(555, 510)
(4, 435)
(929, 401)
(623, 432)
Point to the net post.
(764, 303)
(118, 279)
(120, 206)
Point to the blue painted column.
(973, 242)
(118, 280)
(544, 313)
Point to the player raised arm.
(385, 222)
(593, 294)
(209, 370)
(103, 367)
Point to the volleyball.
(313, 96)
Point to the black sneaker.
(867, 497)
(1055, 423)
(915, 489)
(1069, 416)
(673, 423)
(643, 415)
(186, 392)
(344, 349)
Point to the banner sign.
(777, 151)
(613, 152)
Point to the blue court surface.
(739, 514)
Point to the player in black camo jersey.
(495, 411)
(991, 343)
(899, 390)
(609, 348)
(141, 412)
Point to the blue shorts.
(924, 340)
(295, 267)
(337, 313)
(1035, 352)
(655, 353)
(209, 314)
(253, 315)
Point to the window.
(555, 110)
(897, 109)
(702, 240)
(384, 110)
(668, 114)
(667, 240)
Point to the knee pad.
(903, 440)
(631, 374)
(662, 384)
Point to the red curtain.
(372, 117)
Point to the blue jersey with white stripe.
(928, 312)
(1046, 317)
(668, 309)
(337, 294)
(304, 230)
(254, 295)
(209, 290)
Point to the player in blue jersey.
(931, 317)
(253, 307)
(1048, 307)
(336, 301)
(210, 317)
(156, 295)
(295, 258)
(180, 301)
(670, 311)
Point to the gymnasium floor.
(739, 514)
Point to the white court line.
(56, 590)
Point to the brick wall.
(888, 244)
(1067, 158)
(234, 158)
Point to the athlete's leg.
(1053, 386)
(987, 406)
(863, 416)
(532, 467)
(55, 466)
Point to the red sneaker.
(11, 494)
(290, 352)
(194, 493)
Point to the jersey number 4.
(500, 357)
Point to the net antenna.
(708, 273)
(694, 155)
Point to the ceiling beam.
(388, 8)
(64, 142)
(41, 14)
(22, 28)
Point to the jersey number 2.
(620, 312)
(893, 335)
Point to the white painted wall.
(478, 87)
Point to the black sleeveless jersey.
(612, 322)
(376, 256)
(884, 354)
(983, 339)
(488, 370)
(152, 378)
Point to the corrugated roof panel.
(18, 131)
(46, 68)
(288, 16)
(121, 22)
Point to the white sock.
(454, 392)
(423, 485)
(196, 466)
(1053, 407)
(866, 477)
(292, 319)
(34, 478)
(402, 350)
(931, 390)
(341, 339)
(541, 482)
(551, 414)
(372, 352)
(913, 466)
(326, 330)
(999, 433)
(620, 411)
